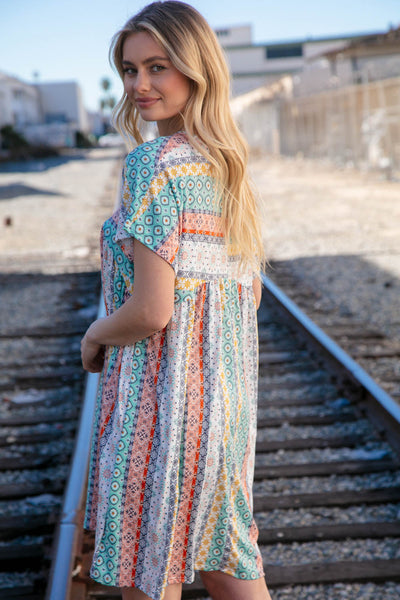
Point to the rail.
(68, 529)
(390, 410)
(61, 569)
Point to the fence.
(358, 124)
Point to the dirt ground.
(340, 230)
(51, 210)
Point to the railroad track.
(327, 478)
(370, 347)
(41, 382)
(326, 494)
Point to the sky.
(68, 40)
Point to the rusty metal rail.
(41, 388)
(382, 405)
(70, 523)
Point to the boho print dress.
(172, 463)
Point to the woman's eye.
(157, 68)
(129, 71)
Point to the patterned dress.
(172, 463)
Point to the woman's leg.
(172, 592)
(225, 587)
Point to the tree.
(105, 84)
(107, 102)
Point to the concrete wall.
(56, 135)
(250, 83)
(19, 102)
(249, 59)
(378, 67)
(62, 102)
(254, 59)
(312, 49)
(323, 74)
(319, 76)
(260, 127)
(242, 85)
(257, 115)
(357, 124)
(234, 36)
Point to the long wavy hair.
(193, 48)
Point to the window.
(56, 118)
(284, 51)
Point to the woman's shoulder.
(164, 151)
(145, 152)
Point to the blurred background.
(317, 78)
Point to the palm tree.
(107, 101)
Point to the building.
(19, 102)
(343, 105)
(368, 58)
(372, 57)
(44, 113)
(255, 65)
(63, 114)
(61, 102)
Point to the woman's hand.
(257, 289)
(92, 353)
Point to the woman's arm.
(148, 310)
(257, 290)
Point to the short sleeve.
(149, 209)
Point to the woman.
(173, 448)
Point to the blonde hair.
(193, 48)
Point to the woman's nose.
(142, 82)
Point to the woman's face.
(152, 83)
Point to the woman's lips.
(146, 102)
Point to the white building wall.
(57, 135)
(312, 49)
(44, 113)
(257, 114)
(343, 73)
(245, 84)
(234, 36)
(19, 102)
(242, 85)
(6, 112)
(96, 123)
(379, 67)
(247, 59)
(319, 76)
(62, 102)
(323, 74)
(254, 58)
(260, 126)
(282, 65)
(83, 119)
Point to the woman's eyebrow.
(148, 60)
